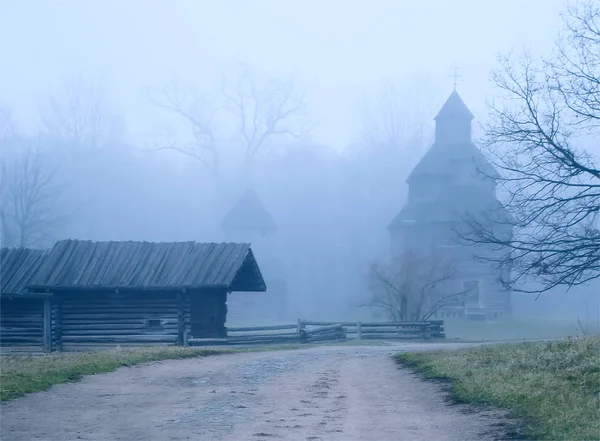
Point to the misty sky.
(337, 49)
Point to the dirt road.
(329, 393)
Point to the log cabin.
(107, 294)
(23, 316)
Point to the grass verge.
(515, 329)
(553, 387)
(22, 374)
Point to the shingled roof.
(454, 204)
(440, 160)
(74, 264)
(17, 267)
(249, 213)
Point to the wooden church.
(249, 221)
(454, 181)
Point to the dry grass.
(519, 329)
(21, 374)
(554, 387)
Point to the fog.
(109, 94)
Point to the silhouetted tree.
(413, 287)
(535, 139)
(78, 114)
(258, 110)
(31, 196)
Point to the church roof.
(454, 108)
(249, 213)
(442, 160)
(453, 204)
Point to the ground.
(326, 393)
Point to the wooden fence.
(306, 331)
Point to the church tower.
(249, 221)
(453, 180)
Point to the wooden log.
(23, 332)
(116, 326)
(83, 347)
(25, 339)
(118, 338)
(313, 323)
(392, 337)
(261, 328)
(116, 304)
(119, 313)
(118, 321)
(371, 324)
(322, 329)
(21, 349)
(264, 337)
(323, 334)
(207, 341)
(148, 331)
(392, 331)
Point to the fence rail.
(306, 331)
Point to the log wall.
(22, 325)
(105, 320)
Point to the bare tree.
(263, 110)
(413, 287)
(78, 114)
(260, 111)
(6, 131)
(535, 139)
(395, 118)
(198, 112)
(31, 196)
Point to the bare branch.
(29, 212)
(78, 115)
(552, 185)
(413, 287)
(259, 110)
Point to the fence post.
(186, 338)
(47, 340)
(428, 331)
(359, 330)
(300, 325)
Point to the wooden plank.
(335, 327)
(392, 337)
(98, 324)
(30, 339)
(261, 328)
(112, 317)
(374, 324)
(117, 339)
(116, 326)
(393, 331)
(132, 332)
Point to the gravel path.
(328, 393)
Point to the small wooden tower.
(453, 180)
(249, 221)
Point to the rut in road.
(328, 393)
